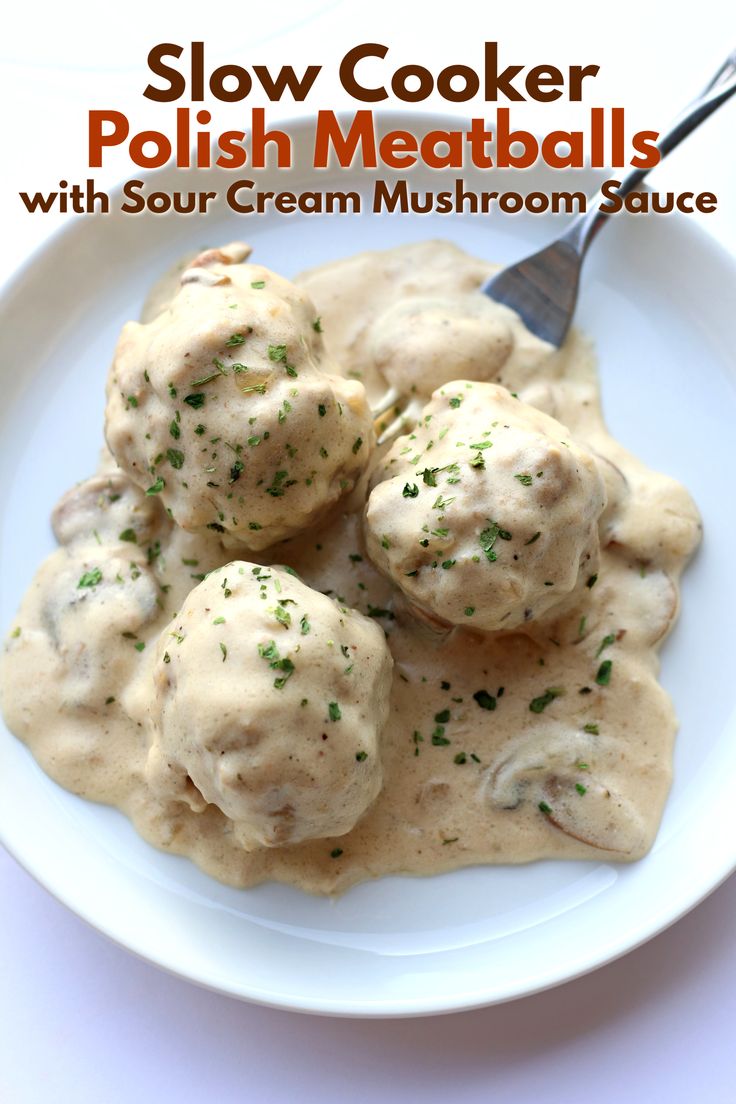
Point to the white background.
(81, 1020)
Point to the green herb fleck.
(195, 400)
(538, 705)
(90, 578)
(603, 675)
(484, 699)
(157, 487)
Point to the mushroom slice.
(107, 509)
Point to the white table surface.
(83, 1021)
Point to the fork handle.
(723, 85)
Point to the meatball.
(270, 699)
(420, 343)
(223, 405)
(486, 515)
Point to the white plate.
(658, 296)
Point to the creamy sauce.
(551, 742)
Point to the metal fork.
(543, 288)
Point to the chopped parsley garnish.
(276, 490)
(334, 711)
(357, 443)
(223, 649)
(336, 852)
(157, 487)
(128, 535)
(220, 370)
(605, 642)
(438, 737)
(235, 339)
(531, 540)
(581, 788)
(361, 756)
(429, 476)
(195, 400)
(174, 430)
(538, 705)
(443, 717)
(460, 758)
(235, 471)
(544, 808)
(270, 653)
(455, 402)
(592, 729)
(139, 646)
(469, 611)
(175, 457)
(524, 479)
(305, 625)
(258, 284)
(591, 582)
(410, 490)
(90, 578)
(603, 675)
(488, 538)
(484, 699)
(317, 325)
(321, 409)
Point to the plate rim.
(11, 286)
